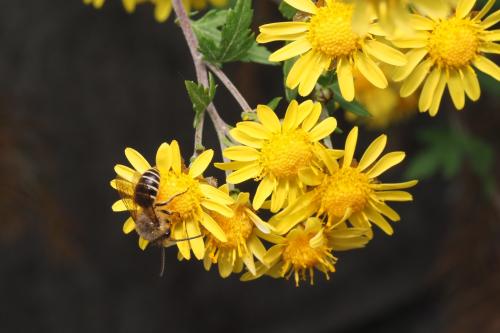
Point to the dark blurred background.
(78, 85)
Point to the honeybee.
(140, 198)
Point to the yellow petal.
(273, 254)
(491, 20)
(128, 226)
(303, 5)
(413, 81)
(312, 118)
(386, 162)
(256, 247)
(323, 129)
(350, 147)
(179, 232)
(304, 110)
(438, 94)
(143, 243)
(126, 173)
(394, 186)
(290, 121)
(254, 129)
(370, 71)
(249, 263)
(394, 196)
(487, 66)
(267, 38)
(112, 183)
(176, 157)
(215, 194)
(414, 57)
(378, 220)
(420, 22)
(387, 211)
(245, 173)
(279, 196)
(226, 262)
(164, 158)
(245, 139)
(232, 165)
(310, 178)
(137, 160)
(372, 152)
(311, 75)
(120, 206)
(261, 225)
(163, 10)
(209, 223)
(346, 80)
(264, 190)
(471, 83)
(197, 244)
(201, 163)
(464, 7)
(385, 53)
(268, 118)
(427, 94)
(284, 28)
(486, 8)
(217, 207)
(456, 90)
(242, 153)
(291, 50)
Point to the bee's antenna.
(162, 265)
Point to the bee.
(140, 198)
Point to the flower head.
(326, 41)
(274, 152)
(184, 197)
(242, 241)
(443, 51)
(349, 191)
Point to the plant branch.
(230, 86)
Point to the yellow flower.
(191, 197)
(96, 3)
(326, 41)
(393, 15)
(349, 191)
(242, 241)
(305, 248)
(386, 106)
(274, 152)
(443, 52)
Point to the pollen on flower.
(331, 31)
(454, 42)
(346, 188)
(286, 153)
(187, 204)
(237, 229)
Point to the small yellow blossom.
(193, 197)
(274, 152)
(325, 41)
(305, 248)
(349, 191)
(96, 3)
(242, 241)
(443, 51)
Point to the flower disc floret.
(185, 205)
(237, 229)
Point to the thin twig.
(230, 86)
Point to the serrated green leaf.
(208, 26)
(200, 96)
(286, 10)
(273, 104)
(353, 107)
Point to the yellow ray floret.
(274, 152)
(349, 191)
(242, 243)
(327, 41)
(443, 53)
(187, 210)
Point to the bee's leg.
(164, 211)
(163, 203)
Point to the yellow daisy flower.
(443, 51)
(274, 152)
(326, 41)
(96, 3)
(190, 198)
(349, 191)
(305, 248)
(242, 241)
(393, 15)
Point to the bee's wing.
(126, 190)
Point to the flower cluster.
(428, 43)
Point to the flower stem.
(230, 86)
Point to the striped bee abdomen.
(146, 189)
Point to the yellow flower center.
(300, 254)
(346, 188)
(237, 229)
(330, 30)
(184, 193)
(286, 153)
(454, 42)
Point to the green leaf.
(353, 107)
(286, 10)
(273, 104)
(237, 37)
(258, 54)
(200, 96)
(208, 26)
